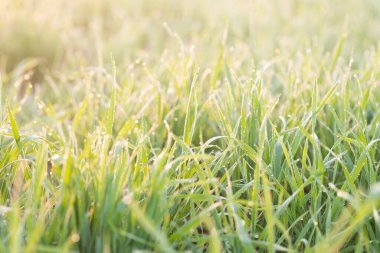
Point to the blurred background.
(63, 34)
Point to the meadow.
(189, 126)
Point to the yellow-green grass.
(189, 126)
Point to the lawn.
(189, 126)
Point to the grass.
(166, 126)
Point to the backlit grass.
(189, 126)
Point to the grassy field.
(189, 126)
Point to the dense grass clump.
(189, 126)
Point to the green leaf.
(16, 133)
